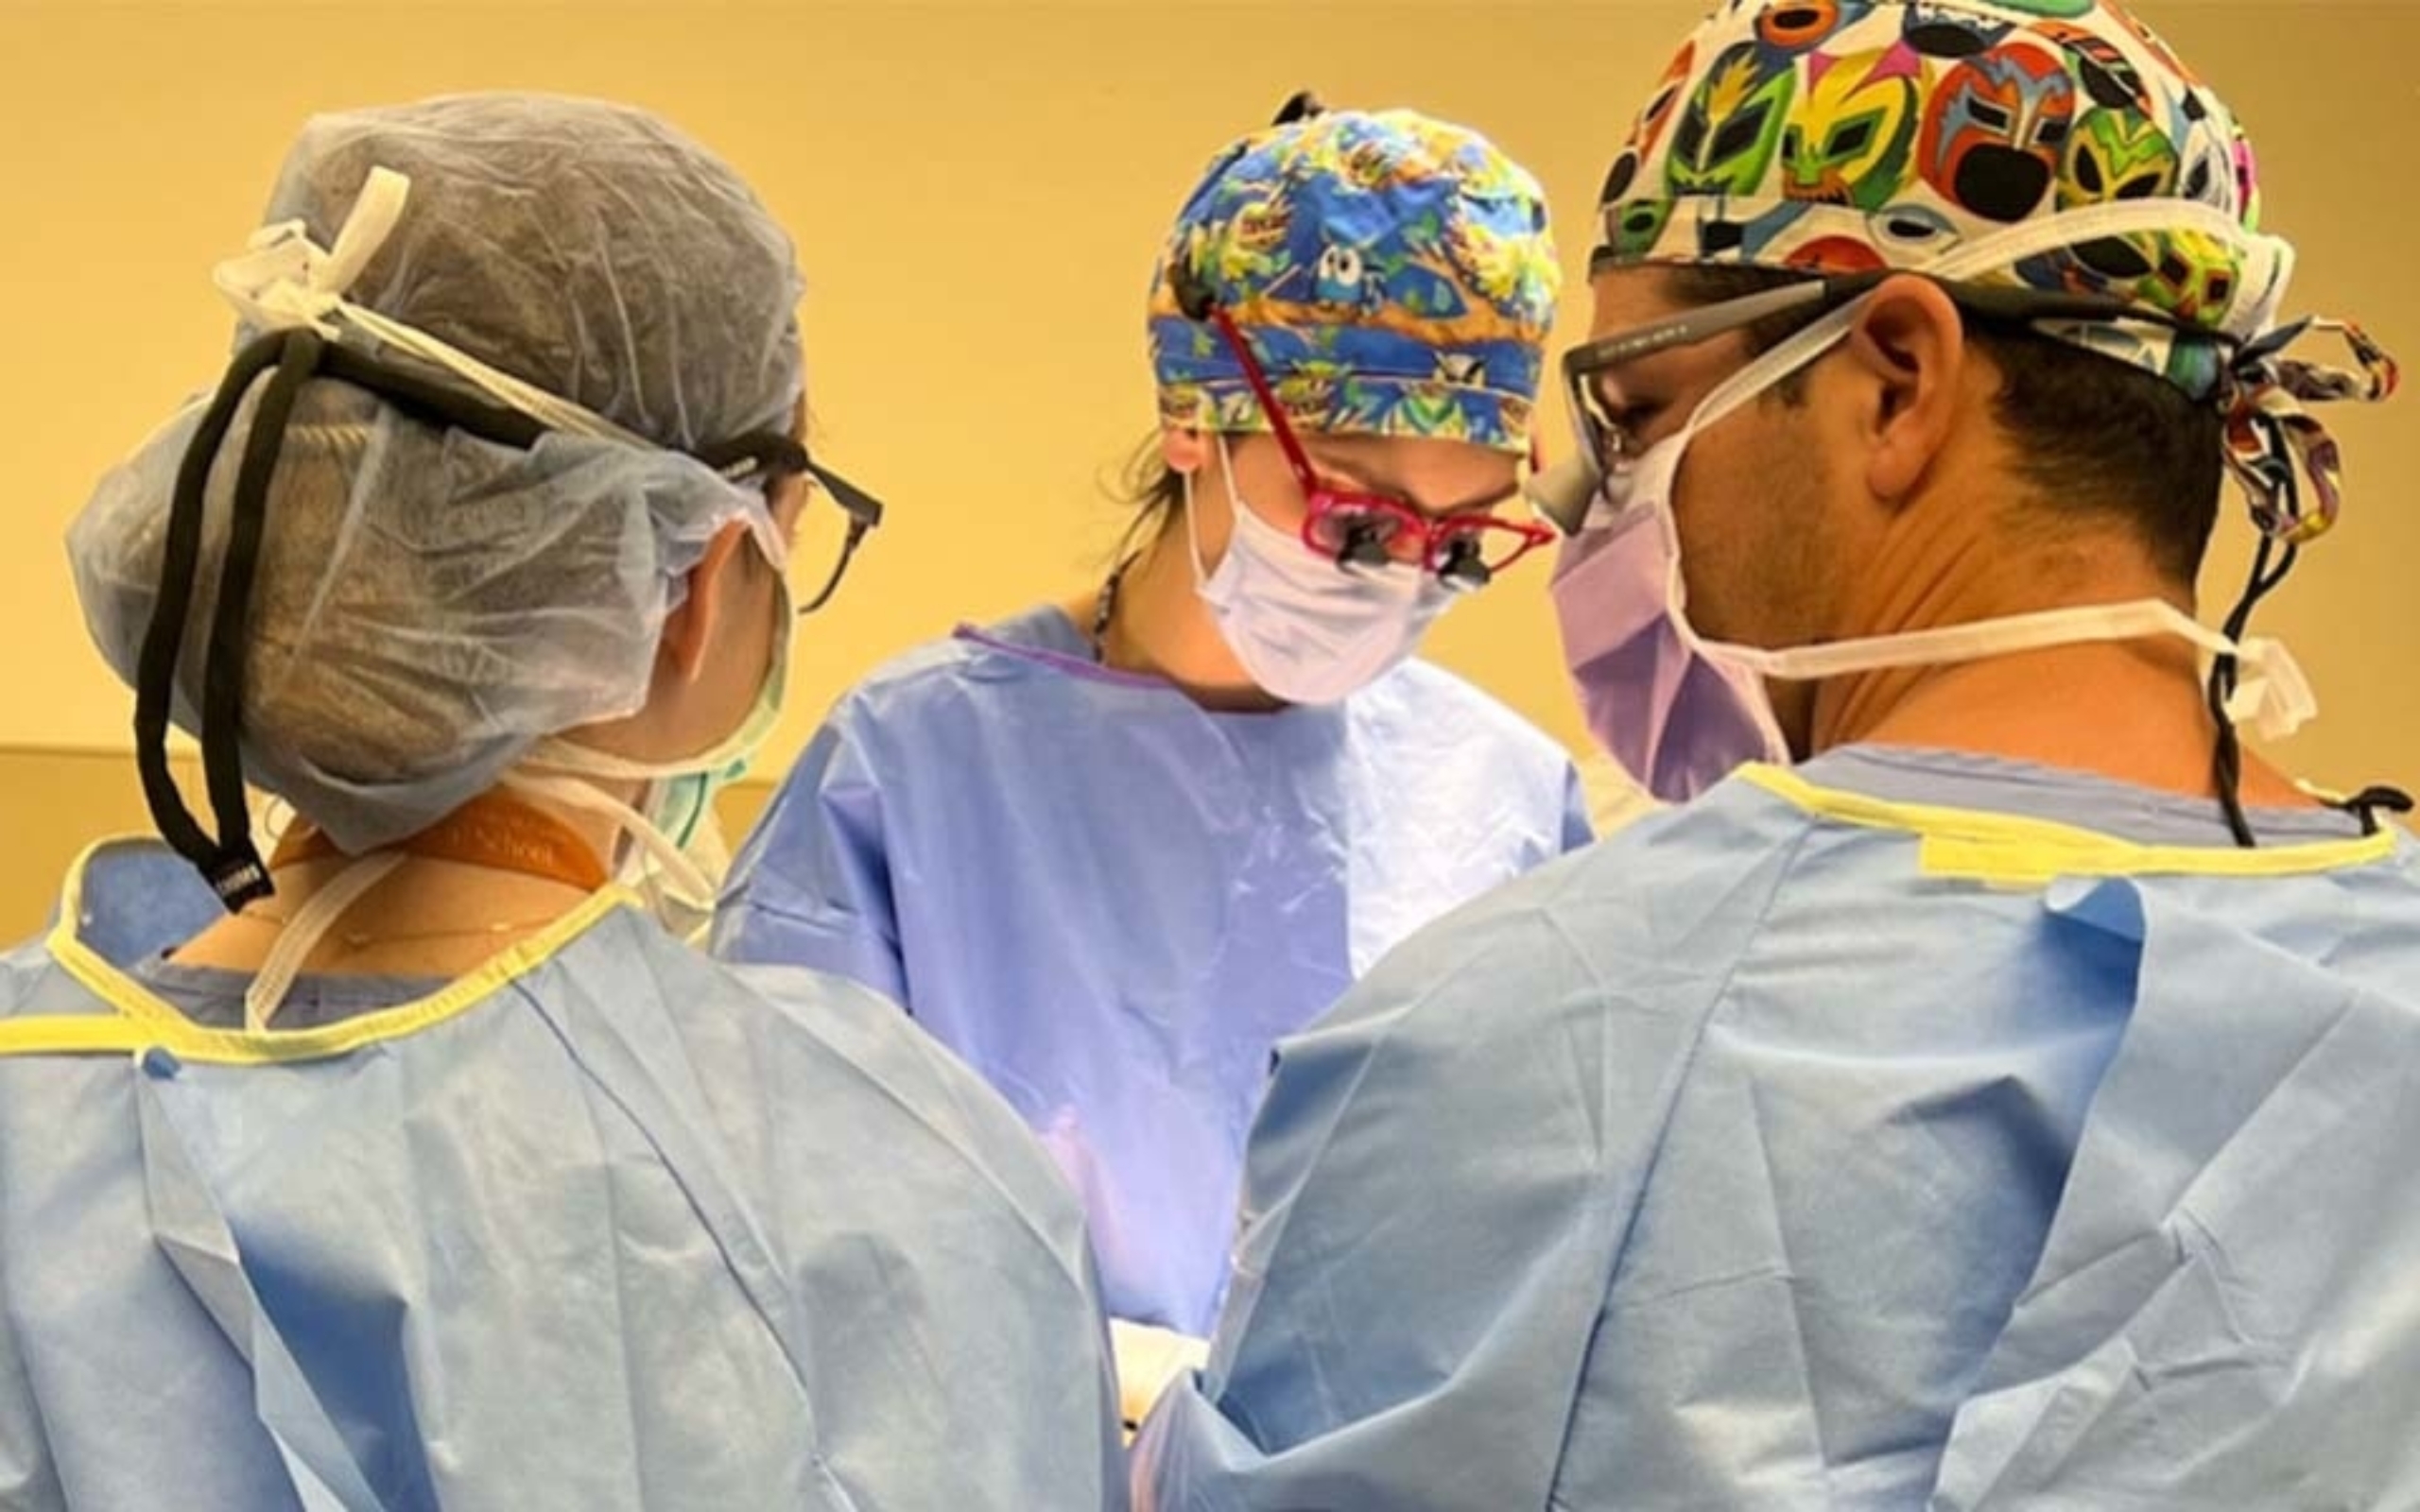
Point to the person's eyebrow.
(1372, 477)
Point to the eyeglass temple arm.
(1992, 301)
(863, 509)
(1692, 327)
(856, 536)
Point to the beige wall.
(978, 250)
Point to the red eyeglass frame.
(1437, 538)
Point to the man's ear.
(1909, 347)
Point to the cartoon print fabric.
(1393, 274)
(1841, 136)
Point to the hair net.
(585, 248)
(428, 603)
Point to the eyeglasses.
(1366, 532)
(769, 456)
(1606, 439)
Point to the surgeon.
(1995, 1090)
(1110, 849)
(413, 1163)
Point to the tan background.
(978, 190)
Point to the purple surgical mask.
(1676, 723)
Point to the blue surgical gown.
(603, 1225)
(1912, 1131)
(1113, 902)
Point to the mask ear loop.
(303, 932)
(1760, 374)
(1236, 507)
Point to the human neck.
(1160, 627)
(2135, 712)
(428, 917)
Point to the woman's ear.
(1185, 450)
(690, 630)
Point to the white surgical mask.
(1305, 629)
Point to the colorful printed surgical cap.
(1846, 136)
(1393, 275)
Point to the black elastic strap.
(2226, 761)
(2365, 805)
(229, 862)
(431, 400)
(237, 871)
(164, 639)
(1300, 106)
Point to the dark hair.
(2092, 434)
